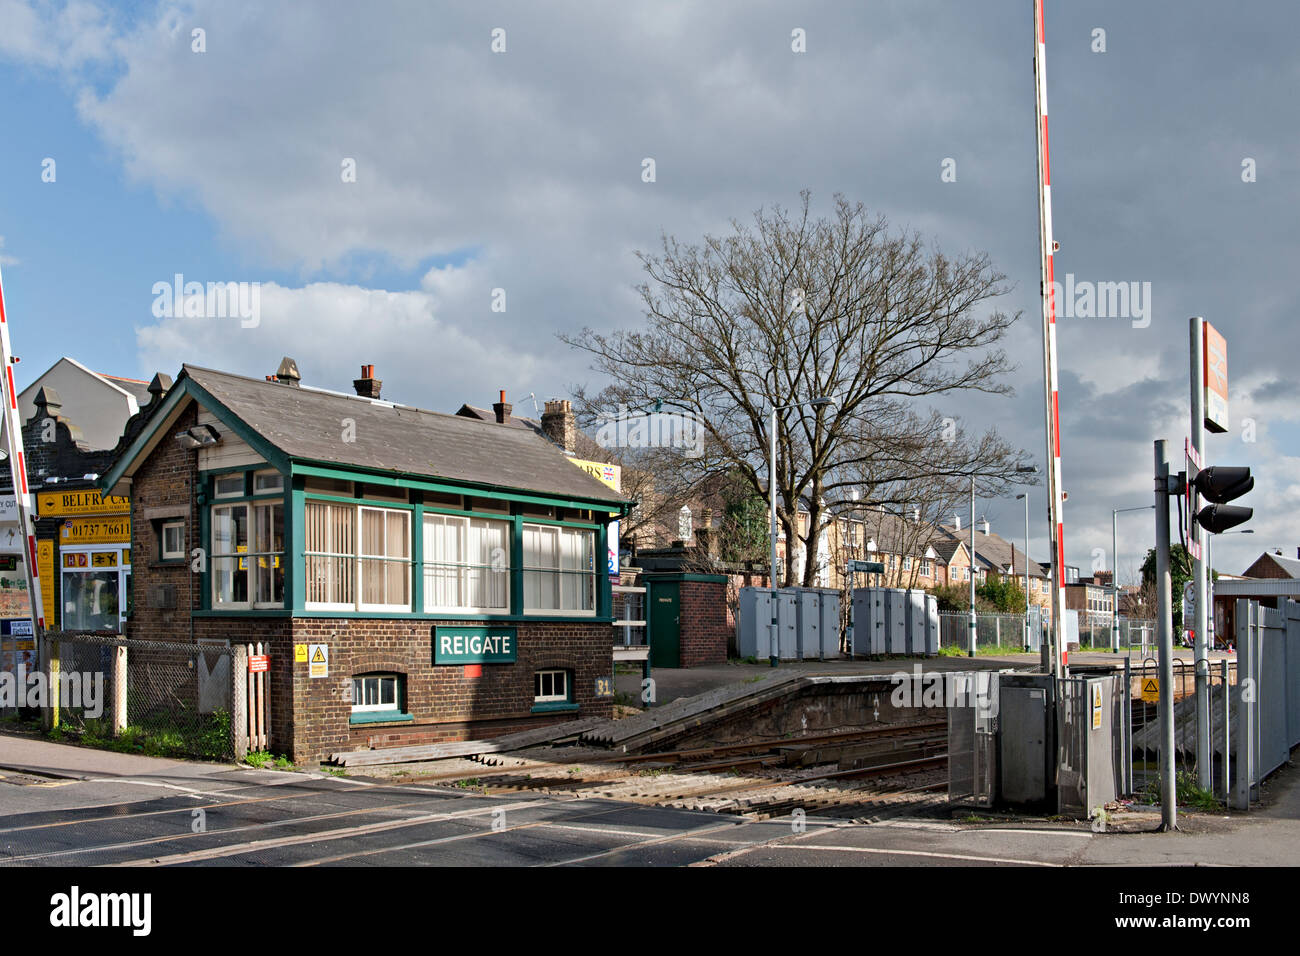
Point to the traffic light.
(1221, 484)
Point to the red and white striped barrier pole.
(18, 470)
(1055, 499)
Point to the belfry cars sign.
(474, 645)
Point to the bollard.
(119, 690)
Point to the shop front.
(92, 554)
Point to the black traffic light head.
(1220, 483)
(1217, 519)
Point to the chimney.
(985, 522)
(560, 425)
(501, 409)
(956, 521)
(287, 373)
(367, 386)
(159, 386)
(704, 538)
(48, 403)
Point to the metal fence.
(152, 697)
(1007, 631)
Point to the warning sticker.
(1151, 690)
(300, 653)
(1096, 707)
(318, 660)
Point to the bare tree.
(794, 308)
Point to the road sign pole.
(1165, 628)
(1204, 767)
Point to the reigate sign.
(454, 644)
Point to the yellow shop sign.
(96, 530)
(85, 502)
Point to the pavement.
(67, 805)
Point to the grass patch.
(469, 783)
(1186, 793)
(755, 679)
(257, 759)
(205, 736)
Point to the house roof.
(306, 425)
(994, 551)
(1290, 566)
(488, 415)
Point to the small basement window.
(374, 692)
(551, 687)
(173, 540)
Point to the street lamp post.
(1114, 575)
(773, 649)
(973, 623)
(1025, 629)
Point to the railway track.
(860, 774)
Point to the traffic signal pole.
(1200, 574)
(1165, 637)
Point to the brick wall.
(446, 704)
(704, 629)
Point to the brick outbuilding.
(453, 569)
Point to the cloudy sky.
(521, 170)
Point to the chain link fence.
(158, 698)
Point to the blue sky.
(522, 171)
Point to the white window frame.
(560, 571)
(350, 556)
(277, 488)
(218, 479)
(177, 554)
(379, 679)
(463, 567)
(553, 698)
(247, 555)
(385, 558)
(356, 558)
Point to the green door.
(665, 624)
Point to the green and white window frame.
(246, 541)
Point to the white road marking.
(884, 852)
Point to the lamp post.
(1114, 576)
(1211, 632)
(1025, 629)
(773, 649)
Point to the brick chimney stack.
(501, 409)
(560, 425)
(367, 386)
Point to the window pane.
(228, 485)
(388, 690)
(229, 529)
(268, 481)
(356, 691)
(229, 581)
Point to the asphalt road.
(297, 820)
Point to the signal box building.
(419, 577)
